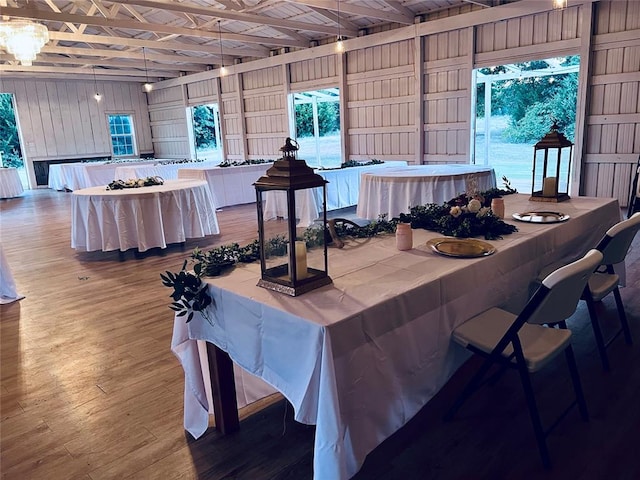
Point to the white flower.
(141, 182)
(483, 212)
(455, 212)
(474, 206)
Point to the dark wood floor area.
(90, 389)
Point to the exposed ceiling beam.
(398, 7)
(177, 46)
(482, 3)
(345, 25)
(74, 70)
(103, 52)
(240, 16)
(357, 10)
(151, 68)
(36, 14)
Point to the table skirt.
(147, 218)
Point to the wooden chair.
(614, 247)
(522, 342)
(634, 196)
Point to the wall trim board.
(382, 130)
(376, 102)
(385, 73)
(613, 118)
(594, 158)
(609, 78)
(561, 48)
(309, 85)
(606, 41)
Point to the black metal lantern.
(551, 162)
(289, 262)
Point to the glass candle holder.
(404, 236)
(497, 207)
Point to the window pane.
(122, 135)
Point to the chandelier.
(23, 39)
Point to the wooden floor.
(90, 389)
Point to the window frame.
(134, 141)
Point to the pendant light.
(97, 95)
(559, 4)
(339, 43)
(223, 70)
(147, 86)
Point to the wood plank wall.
(447, 85)
(406, 92)
(265, 112)
(380, 102)
(168, 119)
(613, 119)
(60, 119)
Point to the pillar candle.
(549, 187)
(301, 260)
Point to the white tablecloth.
(74, 176)
(167, 171)
(360, 357)
(141, 218)
(229, 185)
(394, 191)
(343, 189)
(8, 292)
(10, 183)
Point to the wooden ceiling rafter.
(183, 35)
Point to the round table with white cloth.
(392, 191)
(10, 183)
(141, 218)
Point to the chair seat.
(539, 344)
(602, 284)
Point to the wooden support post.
(223, 389)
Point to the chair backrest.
(558, 296)
(616, 242)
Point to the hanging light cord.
(146, 72)
(220, 37)
(339, 35)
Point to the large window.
(516, 106)
(122, 136)
(316, 127)
(206, 140)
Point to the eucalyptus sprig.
(190, 293)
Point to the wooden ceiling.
(116, 39)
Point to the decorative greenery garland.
(236, 163)
(354, 163)
(467, 215)
(135, 183)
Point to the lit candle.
(301, 260)
(549, 187)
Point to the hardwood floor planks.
(89, 388)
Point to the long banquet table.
(78, 175)
(141, 218)
(229, 185)
(359, 358)
(343, 189)
(168, 171)
(10, 183)
(393, 191)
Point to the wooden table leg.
(223, 388)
